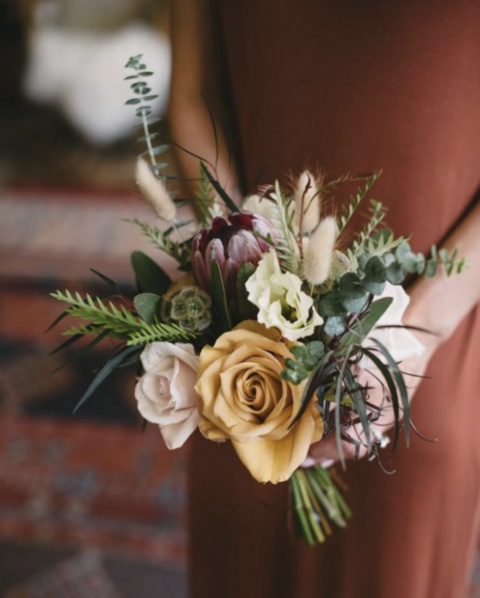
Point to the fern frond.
(354, 201)
(116, 322)
(162, 241)
(206, 203)
(157, 331)
(366, 243)
(284, 236)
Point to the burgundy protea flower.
(232, 242)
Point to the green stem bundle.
(317, 502)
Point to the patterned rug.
(93, 479)
(110, 487)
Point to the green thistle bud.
(189, 307)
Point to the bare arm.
(437, 304)
(440, 303)
(196, 93)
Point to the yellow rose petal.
(275, 461)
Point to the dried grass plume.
(319, 252)
(154, 191)
(306, 197)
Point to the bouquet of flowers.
(259, 339)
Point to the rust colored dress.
(355, 86)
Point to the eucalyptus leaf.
(316, 349)
(318, 377)
(388, 259)
(351, 284)
(410, 263)
(431, 269)
(147, 306)
(375, 270)
(160, 149)
(402, 251)
(300, 352)
(331, 304)
(355, 305)
(375, 288)
(143, 111)
(334, 326)
(294, 371)
(395, 273)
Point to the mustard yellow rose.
(243, 398)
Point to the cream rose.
(243, 398)
(280, 299)
(165, 393)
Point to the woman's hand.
(326, 453)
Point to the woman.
(351, 87)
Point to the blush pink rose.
(165, 393)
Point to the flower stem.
(300, 510)
(312, 514)
(317, 502)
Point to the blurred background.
(89, 505)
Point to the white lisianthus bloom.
(280, 299)
(165, 393)
(399, 341)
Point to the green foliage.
(142, 97)
(354, 201)
(117, 361)
(116, 321)
(359, 331)
(318, 378)
(158, 331)
(305, 360)
(227, 200)
(147, 306)
(451, 262)
(373, 241)
(149, 275)
(285, 244)
(205, 200)
(219, 297)
(246, 309)
(179, 251)
(317, 503)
